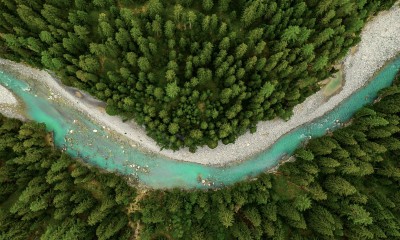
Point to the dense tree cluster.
(44, 193)
(342, 186)
(192, 72)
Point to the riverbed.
(96, 144)
(97, 141)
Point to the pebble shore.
(380, 43)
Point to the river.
(93, 143)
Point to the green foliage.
(342, 186)
(49, 201)
(189, 61)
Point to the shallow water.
(85, 139)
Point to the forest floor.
(380, 42)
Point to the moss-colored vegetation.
(334, 84)
(193, 72)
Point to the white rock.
(6, 97)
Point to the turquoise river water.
(83, 138)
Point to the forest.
(45, 194)
(345, 185)
(193, 73)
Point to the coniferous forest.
(192, 72)
(342, 186)
(345, 185)
(45, 193)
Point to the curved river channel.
(83, 138)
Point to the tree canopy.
(198, 65)
(342, 186)
(345, 185)
(46, 194)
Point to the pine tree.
(208, 4)
(338, 185)
(155, 7)
(226, 217)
